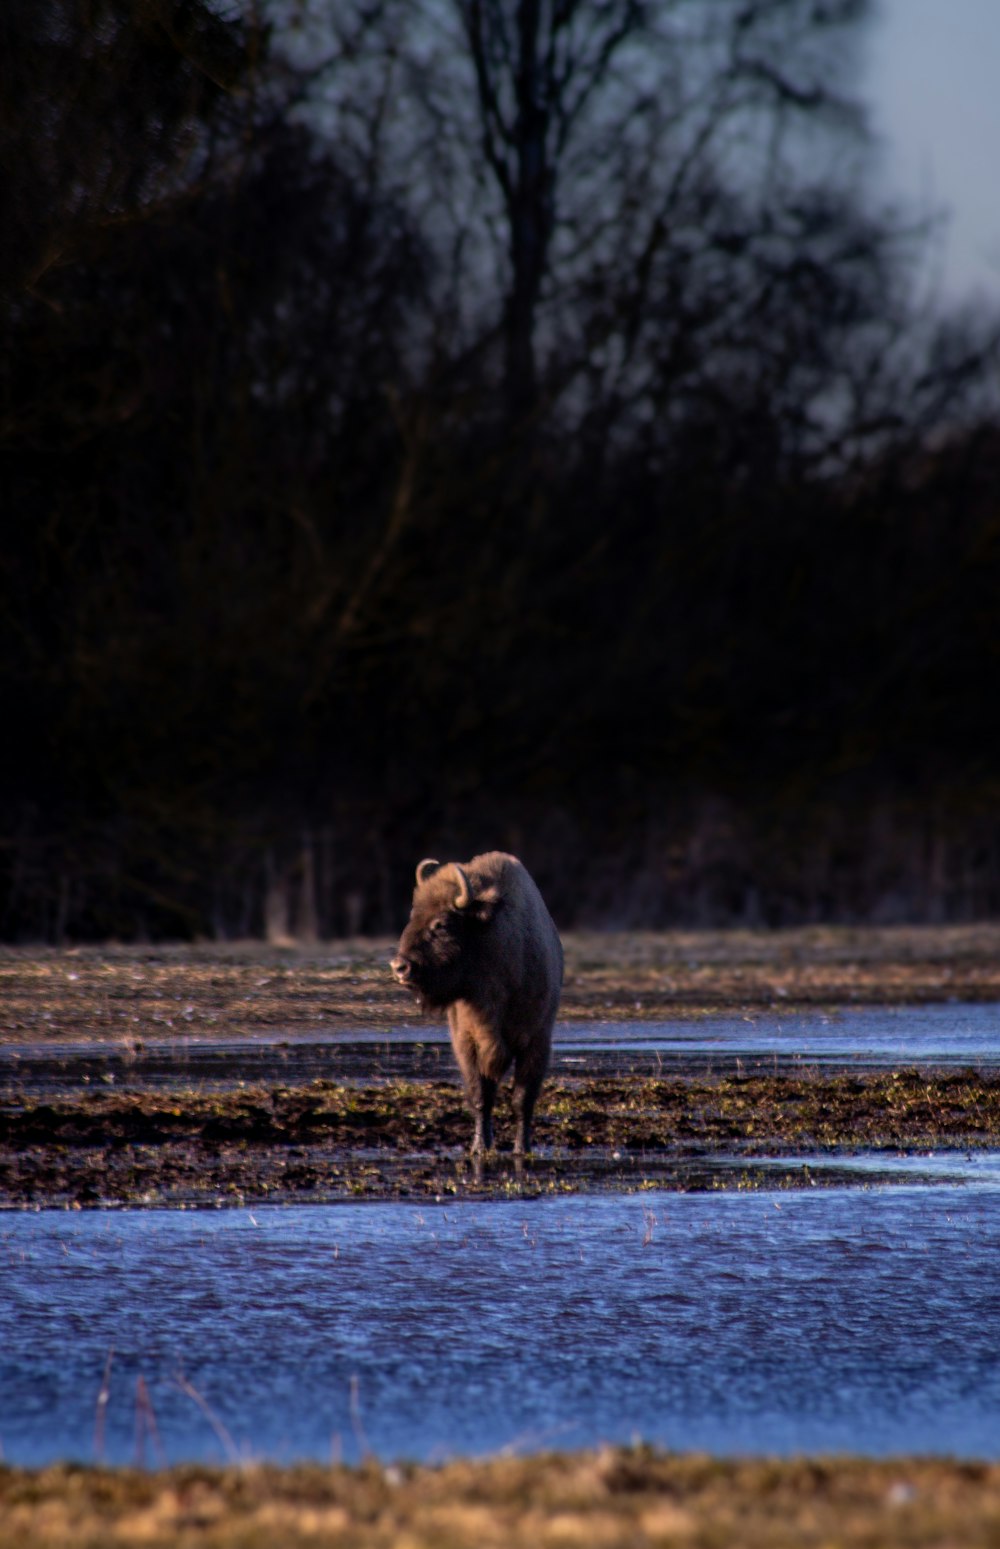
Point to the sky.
(934, 91)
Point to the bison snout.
(402, 969)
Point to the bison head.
(438, 949)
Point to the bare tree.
(611, 133)
(571, 157)
(536, 70)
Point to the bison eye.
(438, 928)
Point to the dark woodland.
(469, 424)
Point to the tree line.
(427, 428)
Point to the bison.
(481, 944)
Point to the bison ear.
(486, 904)
(427, 869)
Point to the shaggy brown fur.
(481, 944)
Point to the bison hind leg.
(528, 1080)
(482, 1139)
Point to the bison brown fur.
(481, 945)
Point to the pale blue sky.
(934, 87)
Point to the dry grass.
(229, 991)
(615, 1499)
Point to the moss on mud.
(398, 1139)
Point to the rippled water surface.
(861, 1320)
(944, 1035)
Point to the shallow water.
(860, 1320)
(867, 1037)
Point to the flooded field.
(847, 1320)
(762, 1220)
(353, 1113)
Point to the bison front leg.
(481, 1090)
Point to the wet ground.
(182, 1116)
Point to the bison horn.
(464, 895)
(427, 869)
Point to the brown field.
(218, 990)
(613, 1499)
